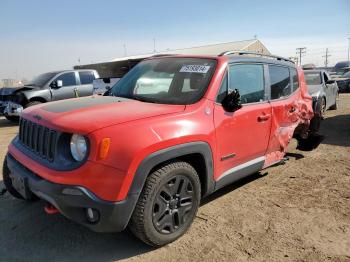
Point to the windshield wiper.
(143, 99)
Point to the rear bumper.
(72, 201)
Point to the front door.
(69, 88)
(242, 136)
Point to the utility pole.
(301, 51)
(326, 58)
(154, 45)
(349, 50)
(125, 53)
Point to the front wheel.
(12, 118)
(33, 103)
(167, 205)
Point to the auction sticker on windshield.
(194, 69)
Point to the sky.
(39, 36)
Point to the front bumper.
(3, 105)
(72, 201)
(13, 109)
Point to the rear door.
(86, 79)
(242, 136)
(284, 96)
(68, 88)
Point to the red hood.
(84, 115)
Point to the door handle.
(263, 118)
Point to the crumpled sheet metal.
(283, 127)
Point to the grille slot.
(37, 138)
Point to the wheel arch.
(198, 154)
(37, 98)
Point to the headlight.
(78, 147)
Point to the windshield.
(41, 80)
(178, 81)
(313, 78)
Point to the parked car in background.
(51, 86)
(173, 130)
(343, 80)
(5, 93)
(103, 85)
(341, 66)
(322, 88)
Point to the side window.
(68, 79)
(223, 90)
(280, 81)
(86, 77)
(249, 80)
(295, 78)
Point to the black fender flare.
(173, 152)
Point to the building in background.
(120, 66)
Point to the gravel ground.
(299, 211)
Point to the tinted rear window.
(86, 77)
(280, 81)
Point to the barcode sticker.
(194, 69)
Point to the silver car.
(323, 88)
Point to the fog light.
(92, 215)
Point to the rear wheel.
(167, 205)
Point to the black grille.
(39, 139)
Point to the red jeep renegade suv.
(172, 130)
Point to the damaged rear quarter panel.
(289, 114)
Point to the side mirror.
(56, 84)
(232, 101)
(330, 82)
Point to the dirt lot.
(299, 211)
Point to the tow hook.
(50, 209)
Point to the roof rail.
(160, 55)
(236, 52)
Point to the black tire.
(33, 103)
(171, 193)
(8, 182)
(12, 118)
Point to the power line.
(301, 51)
(326, 58)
